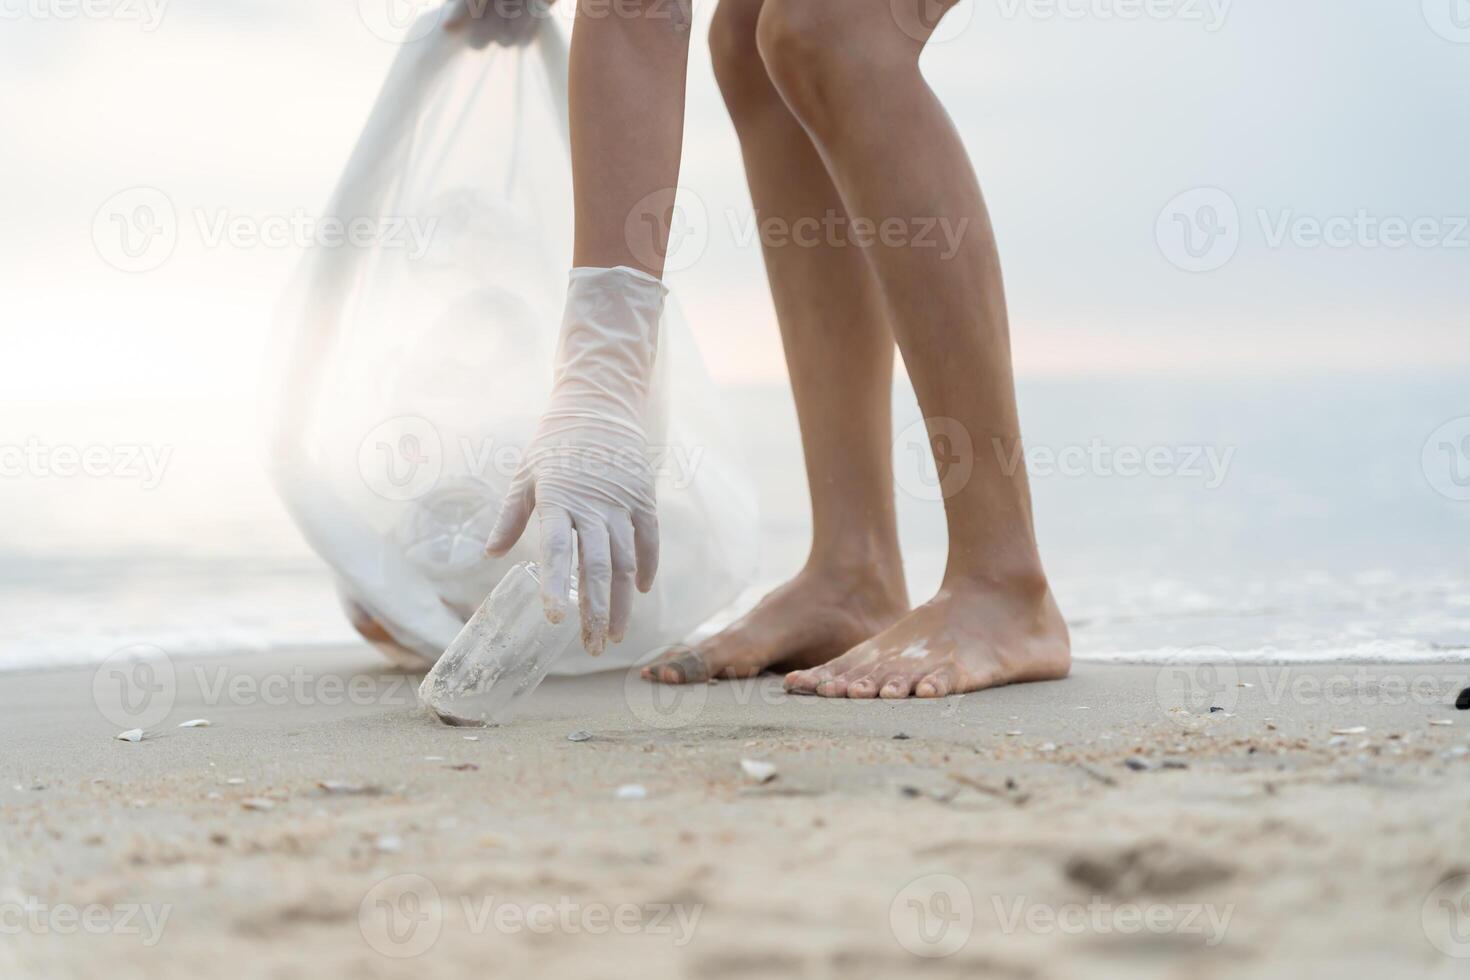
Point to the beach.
(1112, 824)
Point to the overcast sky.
(1103, 130)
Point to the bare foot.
(808, 621)
(967, 638)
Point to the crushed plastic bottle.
(502, 655)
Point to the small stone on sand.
(131, 735)
(256, 803)
(389, 843)
(336, 787)
(632, 791)
(195, 723)
(580, 735)
(1354, 730)
(760, 772)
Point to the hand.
(586, 469)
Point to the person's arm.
(629, 62)
(587, 470)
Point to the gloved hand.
(587, 468)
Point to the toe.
(832, 687)
(683, 666)
(896, 687)
(939, 684)
(863, 688)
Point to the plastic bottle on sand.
(501, 656)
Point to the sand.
(996, 835)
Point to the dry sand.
(1004, 829)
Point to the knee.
(824, 54)
(736, 58)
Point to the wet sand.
(1103, 826)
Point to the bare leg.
(849, 71)
(839, 352)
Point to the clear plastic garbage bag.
(413, 360)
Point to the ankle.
(875, 576)
(1025, 582)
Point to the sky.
(1307, 135)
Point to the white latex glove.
(587, 468)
